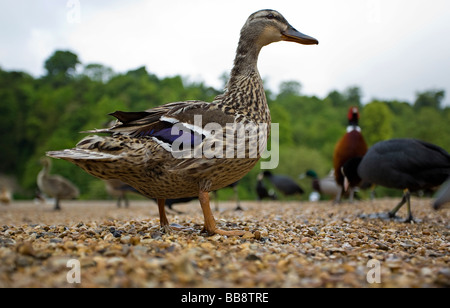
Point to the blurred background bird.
(351, 145)
(326, 186)
(5, 196)
(55, 186)
(408, 164)
(118, 189)
(286, 185)
(261, 190)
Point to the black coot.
(262, 191)
(406, 164)
(284, 183)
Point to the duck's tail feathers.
(92, 148)
(81, 154)
(98, 131)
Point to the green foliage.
(48, 113)
(377, 123)
(98, 72)
(431, 98)
(61, 63)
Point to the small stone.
(26, 249)
(248, 235)
(135, 240)
(125, 239)
(382, 246)
(252, 257)
(257, 235)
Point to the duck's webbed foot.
(210, 224)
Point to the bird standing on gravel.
(407, 164)
(148, 149)
(352, 144)
(325, 186)
(284, 183)
(262, 191)
(55, 186)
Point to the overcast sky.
(390, 48)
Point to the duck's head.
(269, 26)
(45, 161)
(311, 174)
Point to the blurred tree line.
(47, 113)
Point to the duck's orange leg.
(210, 223)
(163, 221)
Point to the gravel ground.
(289, 244)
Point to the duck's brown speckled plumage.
(146, 164)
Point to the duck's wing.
(186, 138)
(170, 126)
(146, 123)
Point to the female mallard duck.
(144, 147)
(55, 186)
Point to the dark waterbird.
(284, 183)
(408, 164)
(262, 191)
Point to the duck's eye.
(270, 16)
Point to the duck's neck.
(45, 171)
(244, 91)
(246, 60)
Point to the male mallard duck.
(325, 186)
(55, 186)
(407, 164)
(144, 147)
